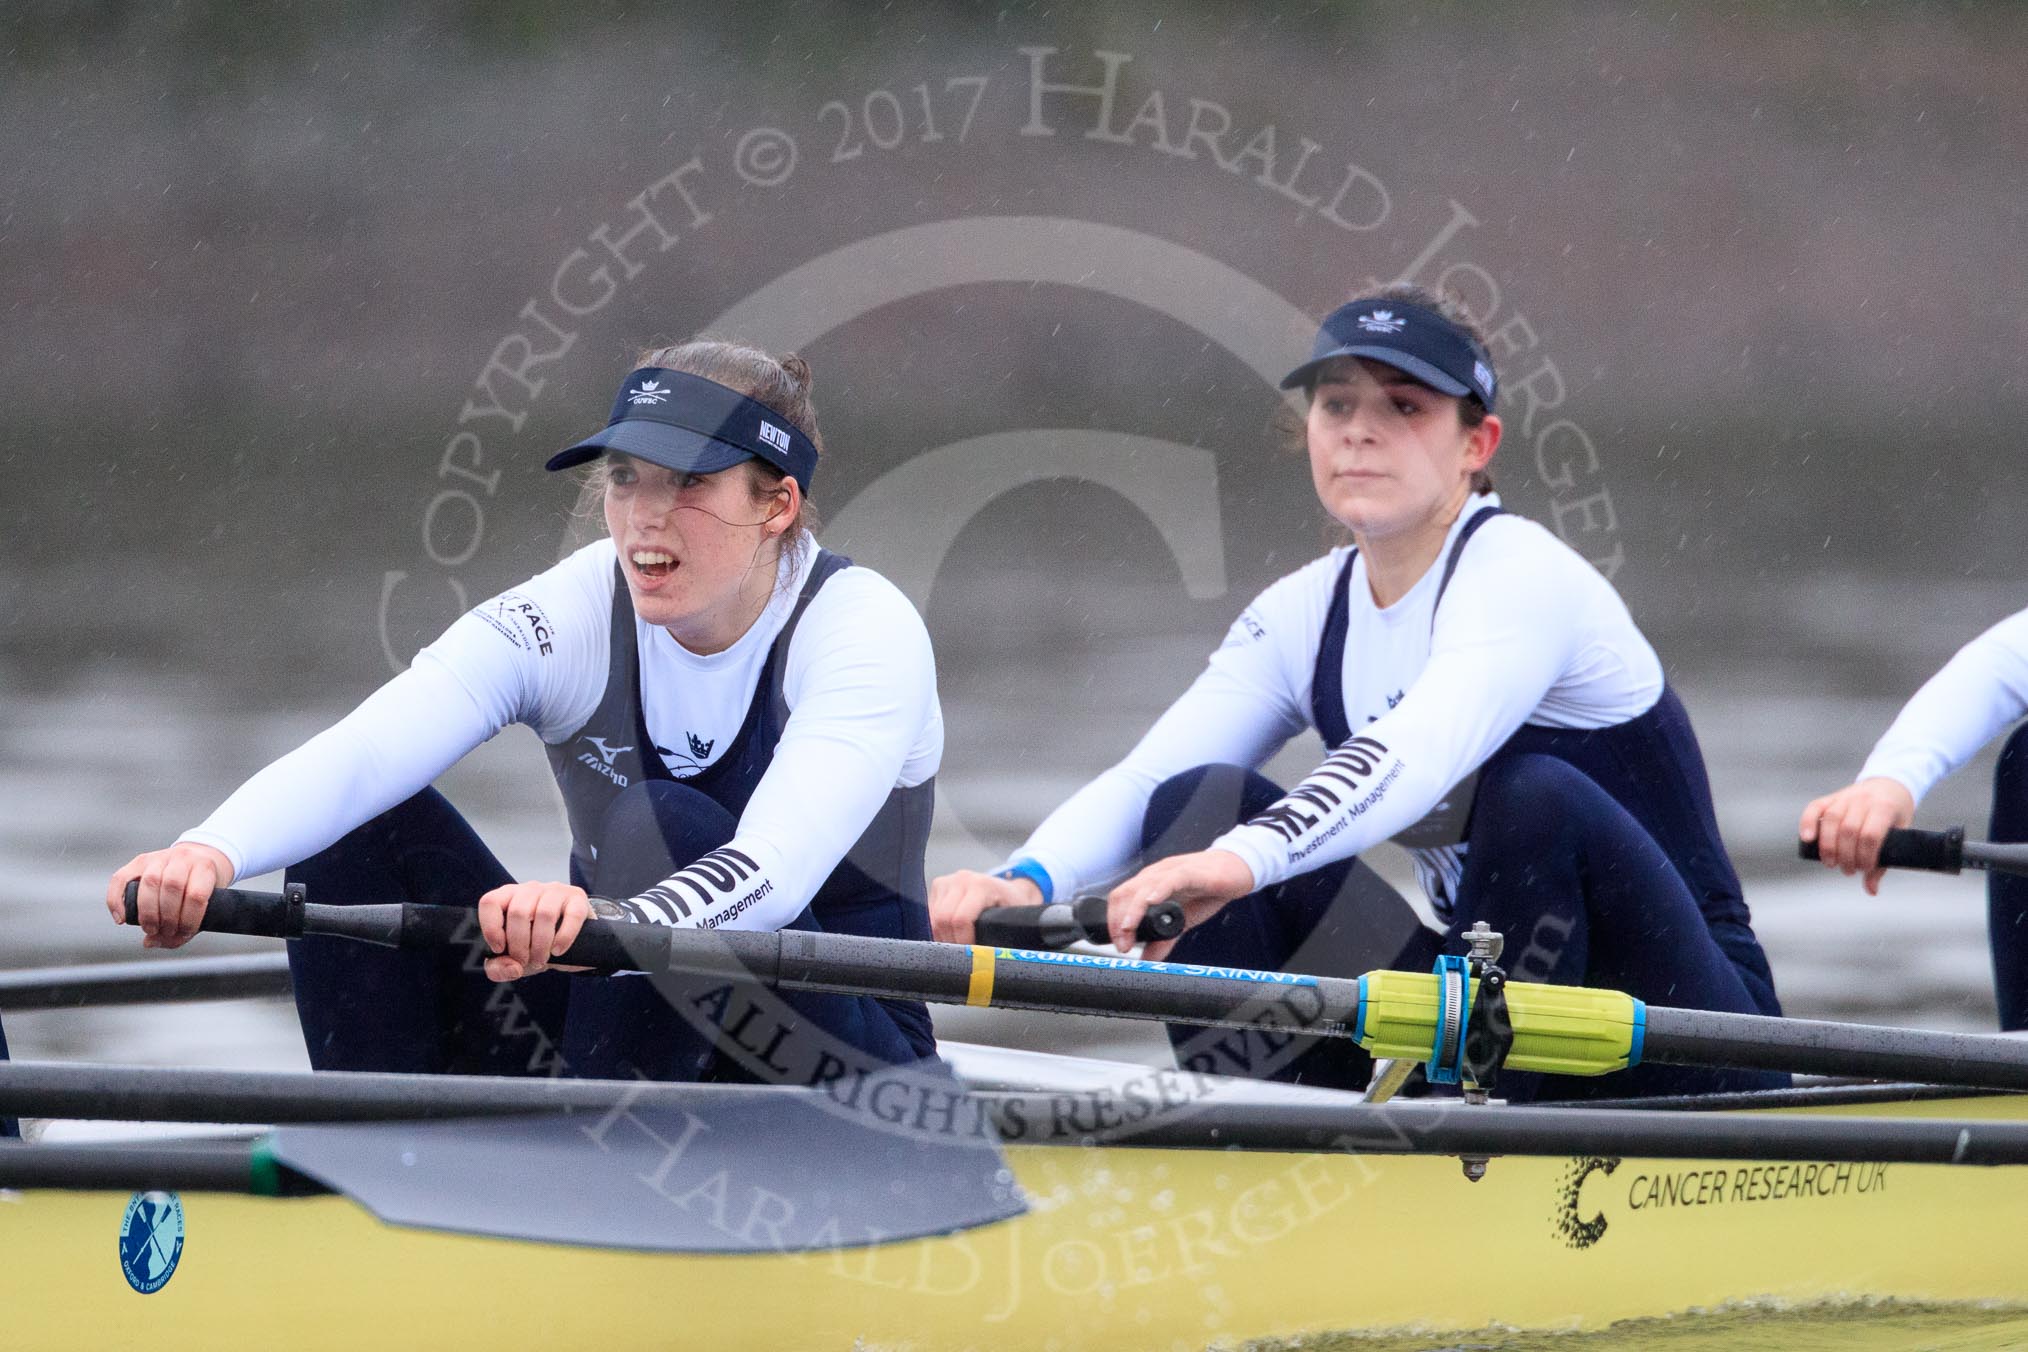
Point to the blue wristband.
(1034, 873)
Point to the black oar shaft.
(1185, 1120)
(164, 1094)
(1060, 982)
(238, 977)
(1696, 1037)
(842, 964)
(1456, 1128)
(1996, 857)
(222, 1166)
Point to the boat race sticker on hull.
(1064, 959)
(1650, 1189)
(151, 1240)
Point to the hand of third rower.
(176, 885)
(1202, 883)
(527, 924)
(1849, 825)
(956, 899)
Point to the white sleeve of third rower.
(863, 719)
(1978, 693)
(533, 655)
(1249, 700)
(1509, 626)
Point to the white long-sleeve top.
(1979, 692)
(1528, 632)
(859, 677)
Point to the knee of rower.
(1528, 789)
(1189, 810)
(2010, 788)
(656, 826)
(376, 845)
(2012, 770)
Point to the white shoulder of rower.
(1612, 672)
(862, 614)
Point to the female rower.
(1486, 701)
(1976, 695)
(744, 728)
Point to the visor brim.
(676, 448)
(1401, 361)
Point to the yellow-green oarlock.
(1560, 1030)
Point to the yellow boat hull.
(1122, 1248)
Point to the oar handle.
(611, 944)
(1060, 924)
(231, 911)
(1931, 851)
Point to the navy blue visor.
(1415, 341)
(696, 426)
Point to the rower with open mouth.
(1485, 700)
(744, 727)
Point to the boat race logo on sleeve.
(521, 622)
(151, 1240)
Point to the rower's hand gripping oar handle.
(1931, 851)
(609, 944)
(231, 911)
(1943, 852)
(1060, 924)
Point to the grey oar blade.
(780, 1173)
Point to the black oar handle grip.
(230, 911)
(1061, 923)
(606, 944)
(1932, 851)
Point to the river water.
(1861, 1326)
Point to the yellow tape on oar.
(1562, 1030)
(980, 992)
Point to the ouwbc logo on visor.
(1407, 337)
(698, 426)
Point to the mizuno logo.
(698, 746)
(600, 760)
(1382, 321)
(774, 436)
(606, 753)
(650, 392)
(1484, 375)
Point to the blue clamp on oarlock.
(1454, 1009)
